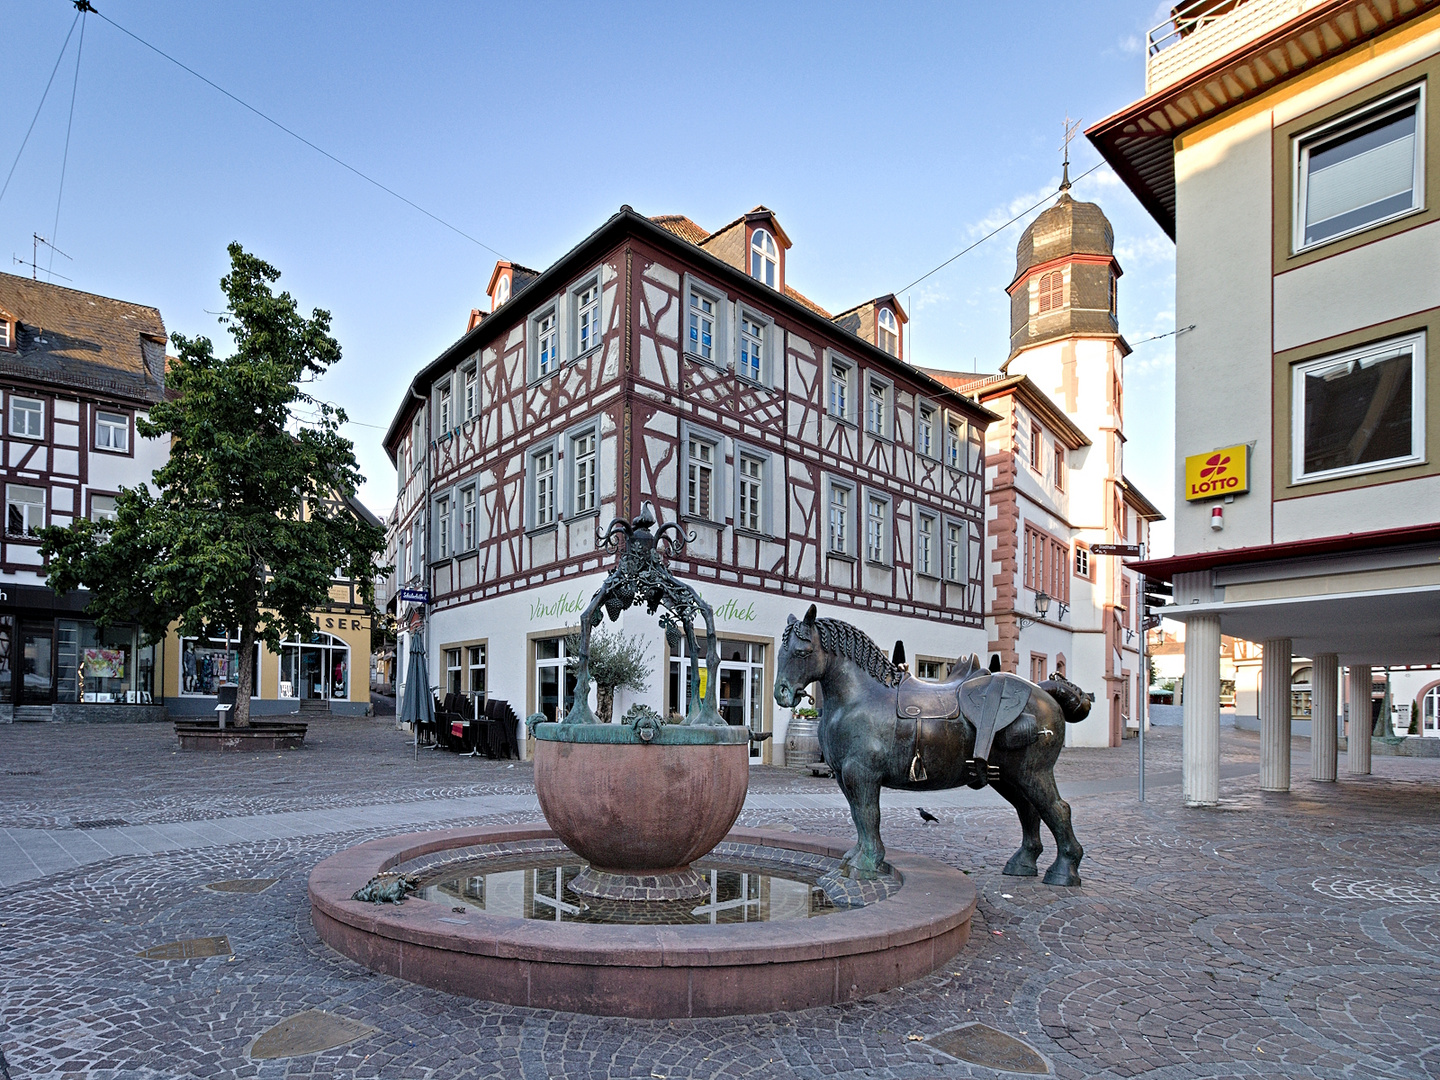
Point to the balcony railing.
(1202, 31)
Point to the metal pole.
(1144, 701)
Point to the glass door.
(36, 682)
(312, 672)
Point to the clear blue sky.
(886, 137)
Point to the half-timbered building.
(659, 362)
(76, 369)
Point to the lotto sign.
(1220, 472)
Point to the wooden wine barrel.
(802, 743)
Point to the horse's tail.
(1074, 703)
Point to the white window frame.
(477, 657)
(454, 671)
(5, 341)
(840, 373)
(925, 411)
(442, 527)
(466, 537)
(1416, 343)
(586, 321)
(1301, 144)
(29, 509)
(23, 404)
(716, 465)
(926, 542)
(884, 402)
(113, 424)
(96, 514)
(542, 484)
(445, 410)
(744, 482)
(584, 469)
(948, 569)
(547, 338)
(1081, 561)
(892, 328)
(955, 447)
(719, 340)
(766, 261)
(768, 337)
(470, 403)
(846, 545)
(879, 532)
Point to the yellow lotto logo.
(1220, 472)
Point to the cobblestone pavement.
(1280, 935)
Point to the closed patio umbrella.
(417, 707)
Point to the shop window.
(1360, 410)
(112, 432)
(740, 691)
(1362, 169)
(318, 667)
(553, 675)
(206, 663)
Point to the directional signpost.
(1129, 551)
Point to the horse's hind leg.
(1022, 863)
(862, 792)
(1039, 787)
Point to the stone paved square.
(1280, 935)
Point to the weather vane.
(1071, 126)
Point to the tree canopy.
(249, 522)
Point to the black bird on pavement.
(925, 815)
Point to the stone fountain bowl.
(640, 813)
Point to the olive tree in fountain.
(248, 522)
(618, 661)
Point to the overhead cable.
(991, 233)
(65, 159)
(296, 135)
(39, 107)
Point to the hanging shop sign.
(1217, 473)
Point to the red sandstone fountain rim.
(893, 941)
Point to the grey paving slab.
(1276, 936)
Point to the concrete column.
(1357, 744)
(1200, 764)
(1324, 716)
(1275, 716)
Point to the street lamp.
(1042, 605)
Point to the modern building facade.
(76, 370)
(659, 362)
(1290, 149)
(1055, 474)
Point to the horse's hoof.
(1062, 874)
(1020, 865)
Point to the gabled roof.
(888, 298)
(83, 341)
(1143, 506)
(604, 239)
(988, 387)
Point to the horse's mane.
(841, 639)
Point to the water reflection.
(541, 892)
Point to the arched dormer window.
(763, 256)
(1052, 291)
(887, 334)
(502, 290)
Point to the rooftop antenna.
(1071, 126)
(35, 241)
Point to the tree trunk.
(604, 703)
(246, 675)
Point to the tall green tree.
(248, 524)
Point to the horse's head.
(800, 662)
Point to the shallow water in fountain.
(537, 889)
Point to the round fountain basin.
(639, 969)
(640, 813)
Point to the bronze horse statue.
(881, 727)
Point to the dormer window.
(888, 333)
(502, 290)
(763, 256)
(5, 336)
(1052, 291)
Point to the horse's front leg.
(861, 786)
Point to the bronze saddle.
(990, 702)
